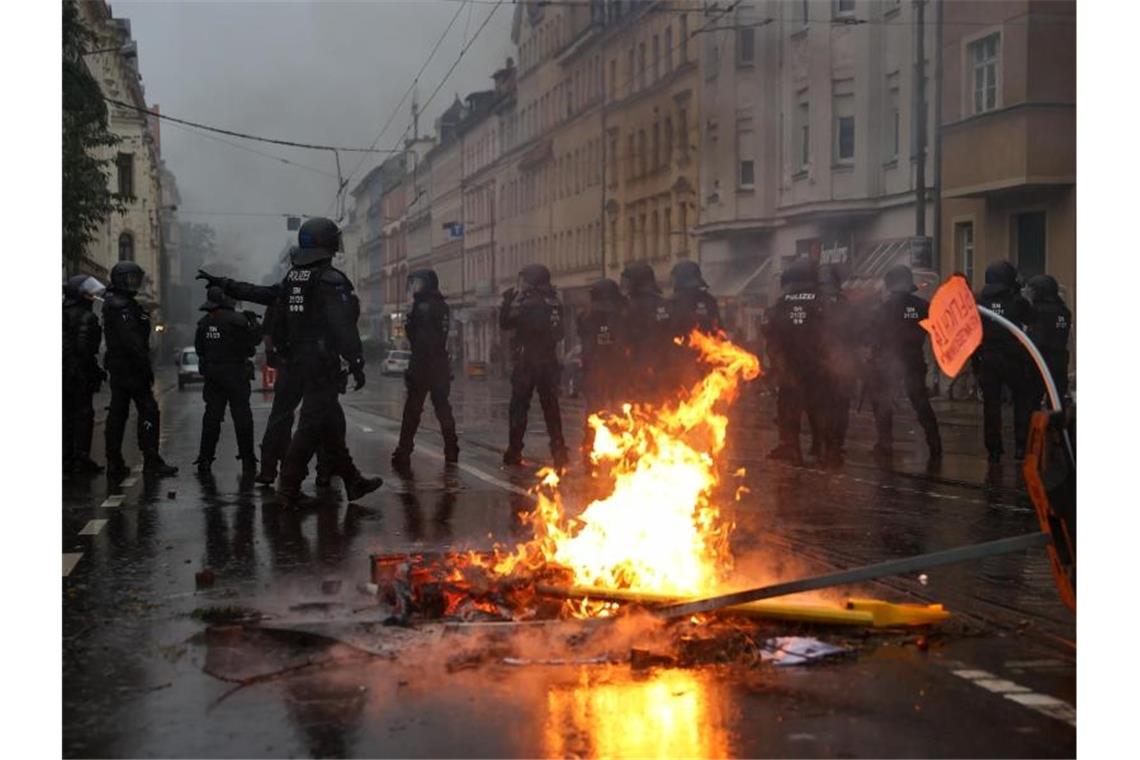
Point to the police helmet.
(319, 238)
(1001, 273)
(639, 277)
(1043, 287)
(216, 298)
(127, 277)
(423, 281)
(535, 276)
(686, 275)
(604, 290)
(82, 286)
(798, 272)
(899, 279)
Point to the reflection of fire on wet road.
(670, 713)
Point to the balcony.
(1026, 145)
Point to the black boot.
(248, 464)
(451, 453)
(204, 465)
(401, 460)
(512, 458)
(155, 465)
(786, 452)
(117, 470)
(360, 486)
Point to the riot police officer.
(1002, 362)
(605, 353)
(315, 331)
(1049, 329)
(224, 341)
(691, 307)
(793, 331)
(288, 387)
(429, 370)
(841, 338)
(896, 356)
(82, 376)
(650, 331)
(534, 314)
(126, 328)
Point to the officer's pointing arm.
(263, 295)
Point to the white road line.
(129, 482)
(137, 468)
(115, 500)
(70, 560)
(365, 429)
(1042, 703)
(92, 527)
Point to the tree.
(87, 198)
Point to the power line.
(231, 133)
(412, 86)
(255, 151)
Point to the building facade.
(810, 138)
(134, 234)
(1009, 139)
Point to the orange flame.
(658, 530)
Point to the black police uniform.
(1049, 329)
(224, 341)
(317, 328)
(650, 344)
(535, 316)
(1003, 362)
(429, 373)
(897, 341)
(288, 388)
(126, 329)
(605, 356)
(690, 309)
(82, 378)
(841, 338)
(793, 329)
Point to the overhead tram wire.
(415, 80)
(255, 151)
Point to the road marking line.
(129, 482)
(1035, 664)
(92, 527)
(1041, 703)
(115, 500)
(70, 560)
(365, 429)
(137, 468)
(1001, 686)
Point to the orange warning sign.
(954, 325)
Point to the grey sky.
(323, 72)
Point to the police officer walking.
(793, 329)
(896, 355)
(82, 376)
(288, 387)
(841, 338)
(650, 332)
(126, 328)
(1002, 362)
(534, 314)
(316, 331)
(605, 353)
(1049, 329)
(429, 371)
(224, 341)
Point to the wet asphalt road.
(141, 678)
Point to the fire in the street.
(659, 529)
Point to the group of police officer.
(632, 352)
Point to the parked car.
(187, 364)
(395, 363)
(572, 373)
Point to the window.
(642, 154)
(684, 38)
(1029, 242)
(668, 142)
(656, 58)
(641, 66)
(964, 237)
(667, 230)
(668, 49)
(745, 46)
(613, 79)
(844, 8)
(611, 166)
(656, 146)
(983, 57)
(630, 153)
(125, 163)
(631, 235)
(893, 118)
(746, 166)
(683, 133)
(843, 114)
(632, 74)
(642, 236)
(802, 134)
(655, 238)
(845, 139)
(126, 247)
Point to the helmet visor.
(91, 288)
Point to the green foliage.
(87, 198)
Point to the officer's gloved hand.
(358, 377)
(509, 295)
(211, 280)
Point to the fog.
(320, 72)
